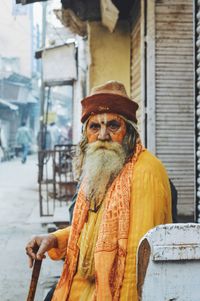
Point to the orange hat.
(110, 97)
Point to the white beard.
(102, 163)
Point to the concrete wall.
(15, 36)
(109, 54)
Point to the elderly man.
(124, 191)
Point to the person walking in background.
(66, 134)
(24, 139)
(54, 133)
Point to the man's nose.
(104, 134)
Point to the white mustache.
(99, 145)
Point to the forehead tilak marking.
(102, 118)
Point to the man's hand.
(39, 245)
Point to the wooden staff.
(34, 280)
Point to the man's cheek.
(119, 136)
(92, 138)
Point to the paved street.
(19, 219)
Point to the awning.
(109, 14)
(28, 1)
(69, 19)
(5, 103)
(74, 14)
(89, 10)
(76, 11)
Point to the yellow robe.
(150, 205)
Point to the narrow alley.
(19, 220)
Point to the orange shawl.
(111, 247)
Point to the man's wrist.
(54, 241)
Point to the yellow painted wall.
(109, 54)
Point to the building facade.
(149, 45)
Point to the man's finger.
(30, 252)
(30, 261)
(40, 257)
(42, 250)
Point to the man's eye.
(114, 126)
(94, 126)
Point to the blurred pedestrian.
(23, 138)
(66, 134)
(55, 134)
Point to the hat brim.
(108, 103)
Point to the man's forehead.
(104, 117)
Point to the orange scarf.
(111, 247)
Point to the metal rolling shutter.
(175, 96)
